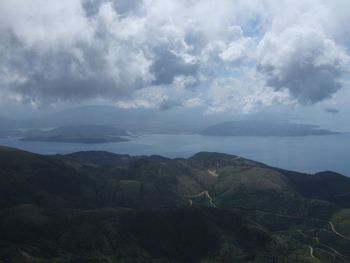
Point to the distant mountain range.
(260, 128)
(137, 120)
(174, 121)
(72, 134)
(78, 134)
(212, 207)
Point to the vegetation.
(104, 207)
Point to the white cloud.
(45, 25)
(245, 96)
(167, 53)
(303, 61)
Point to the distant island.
(264, 129)
(77, 134)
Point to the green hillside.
(212, 207)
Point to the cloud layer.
(227, 55)
(303, 61)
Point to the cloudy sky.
(222, 56)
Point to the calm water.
(306, 154)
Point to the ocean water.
(305, 154)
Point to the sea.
(308, 154)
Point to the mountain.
(211, 207)
(172, 120)
(259, 128)
(77, 134)
(175, 120)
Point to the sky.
(288, 59)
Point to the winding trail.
(301, 217)
(204, 193)
(336, 232)
(321, 244)
(312, 250)
(312, 253)
(330, 248)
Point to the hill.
(77, 134)
(259, 128)
(212, 207)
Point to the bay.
(305, 154)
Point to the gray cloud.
(165, 53)
(167, 66)
(332, 110)
(92, 7)
(90, 61)
(109, 54)
(303, 61)
(168, 104)
(80, 73)
(130, 6)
